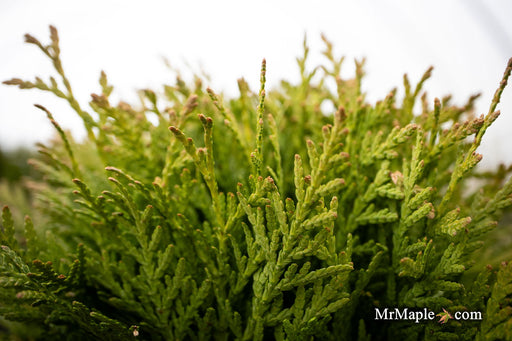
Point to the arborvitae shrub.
(258, 217)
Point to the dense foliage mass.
(191, 217)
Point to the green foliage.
(258, 217)
(15, 182)
(13, 164)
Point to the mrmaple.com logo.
(404, 314)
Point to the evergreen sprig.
(257, 217)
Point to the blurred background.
(468, 42)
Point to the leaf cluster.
(189, 216)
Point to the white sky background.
(468, 42)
